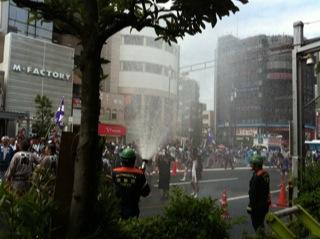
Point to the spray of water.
(151, 126)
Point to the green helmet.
(257, 160)
(128, 156)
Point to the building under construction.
(253, 89)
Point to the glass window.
(133, 40)
(12, 27)
(169, 48)
(42, 33)
(153, 43)
(47, 25)
(21, 27)
(131, 66)
(31, 30)
(108, 114)
(22, 15)
(19, 22)
(12, 12)
(166, 71)
(114, 114)
(153, 68)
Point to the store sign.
(111, 129)
(246, 131)
(41, 72)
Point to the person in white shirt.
(21, 167)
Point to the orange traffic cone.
(282, 201)
(224, 205)
(174, 168)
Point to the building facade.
(144, 73)
(189, 123)
(253, 88)
(207, 121)
(30, 65)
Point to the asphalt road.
(213, 183)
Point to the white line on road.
(203, 181)
(247, 196)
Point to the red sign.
(111, 129)
(76, 102)
(279, 76)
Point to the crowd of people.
(133, 176)
(186, 158)
(20, 156)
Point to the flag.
(210, 138)
(59, 114)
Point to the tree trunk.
(82, 212)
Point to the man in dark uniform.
(130, 183)
(259, 194)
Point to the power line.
(198, 66)
(312, 22)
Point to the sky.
(270, 17)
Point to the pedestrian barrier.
(224, 205)
(282, 201)
(280, 228)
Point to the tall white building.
(145, 73)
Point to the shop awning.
(112, 129)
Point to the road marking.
(153, 206)
(247, 196)
(203, 181)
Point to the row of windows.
(147, 67)
(109, 114)
(139, 40)
(19, 21)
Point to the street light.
(302, 51)
(233, 96)
(310, 60)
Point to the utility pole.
(301, 49)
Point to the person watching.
(259, 194)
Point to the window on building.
(76, 91)
(154, 68)
(108, 114)
(169, 48)
(151, 42)
(20, 21)
(114, 114)
(131, 66)
(102, 111)
(133, 40)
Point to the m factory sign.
(42, 72)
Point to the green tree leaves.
(43, 118)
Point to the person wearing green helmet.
(259, 193)
(130, 183)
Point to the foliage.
(309, 196)
(261, 235)
(43, 117)
(27, 216)
(107, 216)
(170, 20)
(184, 217)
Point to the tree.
(43, 117)
(93, 22)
